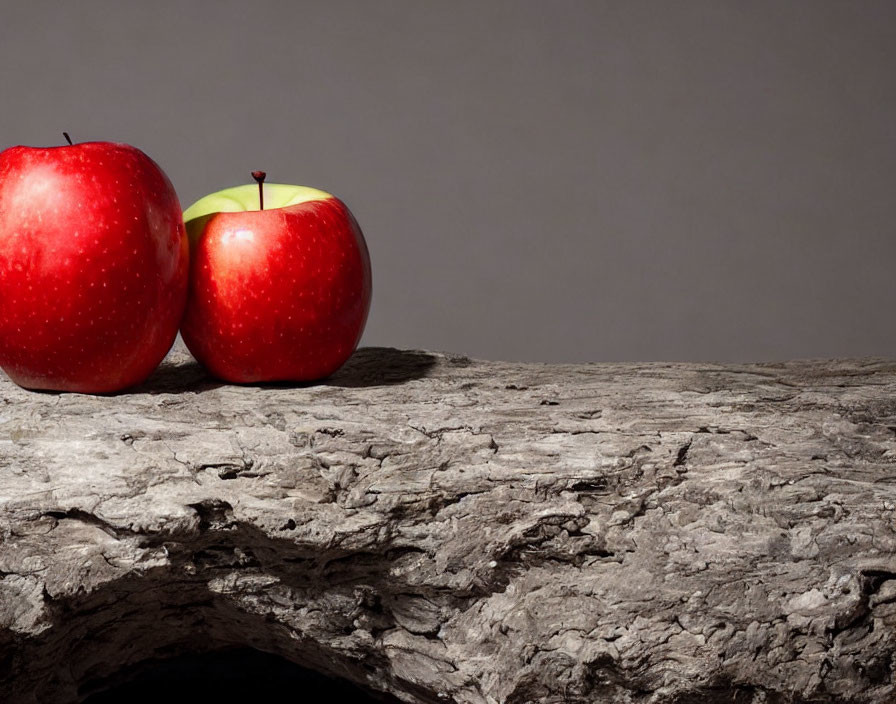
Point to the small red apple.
(276, 293)
(93, 266)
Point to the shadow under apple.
(367, 367)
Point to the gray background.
(553, 181)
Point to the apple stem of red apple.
(259, 177)
(67, 138)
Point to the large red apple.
(276, 294)
(94, 262)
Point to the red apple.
(276, 294)
(94, 262)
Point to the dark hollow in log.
(440, 529)
(232, 676)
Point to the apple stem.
(259, 177)
(67, 138)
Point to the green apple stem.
(67, 138)
(259, 177)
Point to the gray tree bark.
(449, 530)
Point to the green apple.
(245, 198)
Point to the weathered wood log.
(448, 530)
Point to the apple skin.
(280, 294)
(94, 261)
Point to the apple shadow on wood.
(382, 366)
(367, 367)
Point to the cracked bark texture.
(450, 530)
